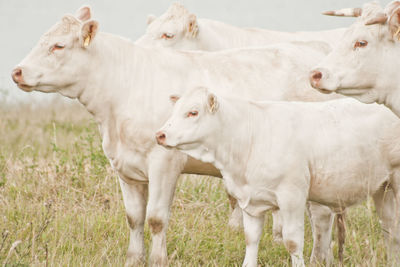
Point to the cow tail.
(341, 233)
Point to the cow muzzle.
(18, 78)
(315, 78)
(17, 75)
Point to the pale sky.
(22, 22)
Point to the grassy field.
(60, 204)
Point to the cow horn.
(379, 19)
(345, 12)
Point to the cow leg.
(394, 252)
(386, 207)
(164, 169)
(321, 218)
(253, 227)
(236, 218)
(292, 207)
(135, 197)
(277, 226)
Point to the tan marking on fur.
(156, 225)
(131, 221)
(291, 246)
(232, 201)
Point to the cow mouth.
(187, 145)
(324, 91)
(352, 91)
(179, 146)
(25, 87)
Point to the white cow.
(125, 86)
(365, 64)
(278, 155)
(178, 28)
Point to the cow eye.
(193, 113)
(57, 46)
(167, 36)
(362, 43)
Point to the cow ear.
(212, 103)
(192, 26)
(174, 98)
(150, 18)
(394, 23)
(380, 18)
(88, 32)
(84, 13)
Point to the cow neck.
(392, 100)
(110, 88)
(387, 84)
(124, 93)
(233, 146)
(118, 63)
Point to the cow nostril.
(160, 136)
(16, 74)
(316, 75)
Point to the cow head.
(364, 64)
(176, 28)
(193, 120)
(58, 62)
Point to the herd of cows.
(164, 110)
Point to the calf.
(278, 155)
(365, 63)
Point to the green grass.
(61, 205)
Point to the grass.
(60, 204)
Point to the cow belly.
(194, 166)
(344, 189)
